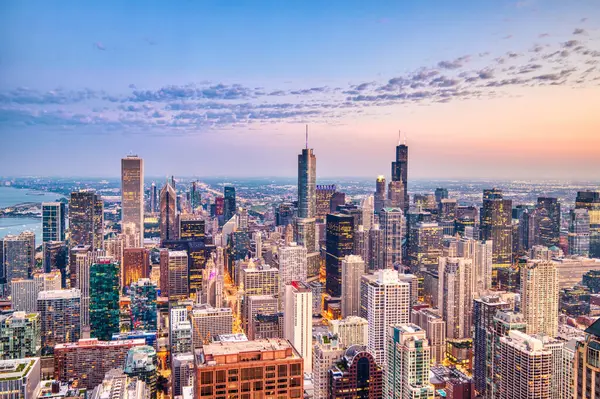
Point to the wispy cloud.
(99, 46)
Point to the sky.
(478, 89)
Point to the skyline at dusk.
(508, 90)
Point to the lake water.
(10, 196)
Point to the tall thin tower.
(307, 182)
(400, 168)
(132, 195)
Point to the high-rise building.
(440, 194)
(496, 225)
(132, 195)
(376, 258)
(55, 257)
(143, 295)
(392, 223)
(586, 368)
(298, 320)
(60, 317)
(367, 206)
(353, 268)
(435, 330)
(24, 292)
(356, 375)
(19, 256)
(104, 299)
(307, 177)
(400, 171)
(385, 301)
(455, 280)
(255, 305)
(323, 195)
(141, 363)
(484, 344)
(379, 197)
(579, 232)
(350, 331)
(154, 202)
(292, 266)
(168, 213)
(407, 365)
(209, 322)
(526, 367)
(326, 352)
(136, 265)
(590, 200)
(191, 227)
(86, 219)
(88, 360)
(269, 367)
(182, 370)
(19, 378)
(424, 246)
(82, 259)
(180, 335)
(19, 335)
(177, 275)
(339, 243)
(395, 194)
(549, 224)
(539, 297)
(480, 253)
(195, 196)
(230, 202)
(53, 221)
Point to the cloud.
(507, 37)
(455, 64)
(24, 95)
(579, 31)
(570, 43)
(542, 35)
(583, 20)
(150, 41)
(99, 46)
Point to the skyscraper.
(59, 317)
(392, 223)
(136, 265)
(327, 351)
(86, 219)
(323, 198)
(586, 370)
(353, 268)
(350, 331)
(132, 194)
(526, 367)
(356, 375)
(307, 182)
(435, 331)
(154, 202)
(292, 266)
(141, 363)
(230, 202)
(297, 324)
(385, 302)
(19, 335)
(407, 366)
(177, 275)
(440, 194)
(496, 225)
(53, 221)
(209, 322)
(579, 232)
(19, 256)
(367, 206)
(539, 297)
(143, 295)
(549, 224)
(168, 213)
(376, 258)
(590, 200)
(400, 171)
(379, 198)
(339, 243)
(424, 246)
(104, 299)
(455, 277)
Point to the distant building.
(19, 257)
(19, 335)
(590, 200)
(435, 330)
(132, 195)
(579, 232)
(353, 268)
(53, 221)
(136, 265)
(86, 219)
(143, 295)
(339, 243)
(104, 299)
(168, 213)
(539, 297)
(496, 225)
(298, 320)
(392, 222)
(586, 370)
(209, 322)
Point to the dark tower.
(400, 170)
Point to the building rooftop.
(17, 368)
(94, 342)
(233, 352)
(60, 294)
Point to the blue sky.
(225, 88)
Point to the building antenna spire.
(399, 137)
(307, 137)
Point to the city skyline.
(504, 90)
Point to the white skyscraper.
(292, 266)
(297, 323)
(368, 212)
(132, 196)
(539, 297)
(326, 352)
(456, 296)
(353, 268)
(480, 252)
(350, 331)
(407, 365)
(385, 301)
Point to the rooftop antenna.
(399, 137)
(307, 137)
(404, 138)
